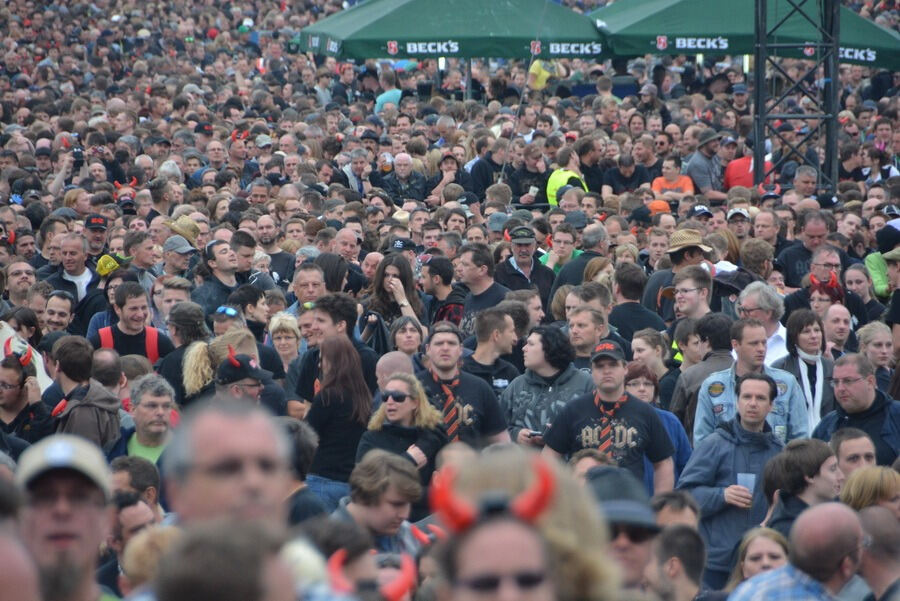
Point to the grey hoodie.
(531, 403)
(91, 412)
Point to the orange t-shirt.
(683, 184)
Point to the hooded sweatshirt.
(91, 412)
(532, 402)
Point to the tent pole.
(759, 94)
(468, 95)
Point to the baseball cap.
(659, 206)
(237, 367)
(203, 128)
(263, 140)
(698, 210)
(43, 152)
(178, 244)
(401, 244)
(522, 235)
(739, 88)
(64, 452)
(95, 221)
(496, 221)
(607, 349)
(576, 219)
(738, 211)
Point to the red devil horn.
(133, 182)
(439, 533)
(117, 185)
(7, 347)
(420, 536)
(813, 280)
(66, 143)
(245, 135)
(402, 584)
(833, 281)
(232, 357)
(335, 566)
(12, 237)
(531, 503)
(457, 513)
(25, 359)
(234, 135)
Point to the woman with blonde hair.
(284, 332)
(877, 343)
(761, 550)
(571, 525)
(408, 425)
(627, 253)
(874, 485)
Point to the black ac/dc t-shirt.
(479, 412)
(636, 430)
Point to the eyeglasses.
(831, 266)
(845, 381)
(684, 291)
(490, 583)
(20, 272)
(635, 534)
(229, 311)
(399, 397)
(5, 386)
(747, 310)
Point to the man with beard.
(19, 278)
(65, 517)
(268, 236)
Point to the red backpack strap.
(151, 344)
(106, 337)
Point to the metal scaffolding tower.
(770, 107)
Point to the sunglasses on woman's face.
(399, 397)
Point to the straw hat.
(184, 226)
(686, 239)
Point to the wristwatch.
(404, 303)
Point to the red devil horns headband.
(232, 357)
(24, 358)
(235, 135)
(390, 591)
(459, 514)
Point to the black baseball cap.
(522, 235)
(95, 221)
(607, 349)
(237, 367)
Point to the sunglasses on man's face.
(635, 534)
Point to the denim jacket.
(717, 403)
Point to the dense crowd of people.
(279, 326)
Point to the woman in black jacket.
(407, 424)
(339, 413)
(809, 363)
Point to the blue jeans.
(330, 492)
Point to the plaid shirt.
(784, 584)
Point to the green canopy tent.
(456, 29)
(727, 27)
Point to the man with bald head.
(837, 329)
(347, 244)
(404, 183)
(880, 565)
(826, 547)
(392, 363)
